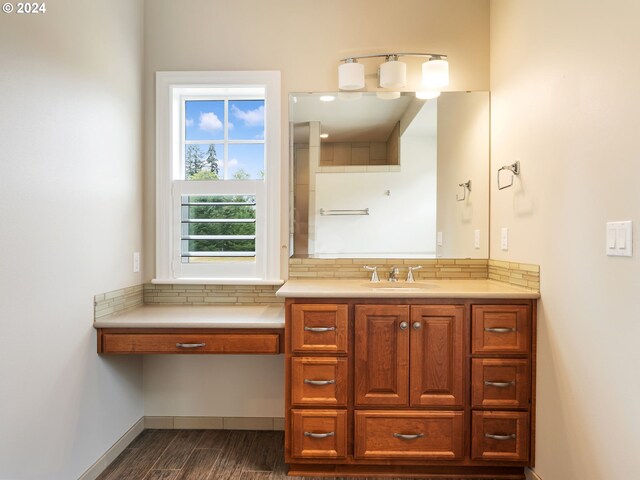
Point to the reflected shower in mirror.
(378, 175)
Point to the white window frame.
(172, 88)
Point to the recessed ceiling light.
(324, 135)
(327, 98)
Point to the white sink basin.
(402, 286)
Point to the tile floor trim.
(213, 423)
(116, 449)
(531, 475)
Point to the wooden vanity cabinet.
(409, 387)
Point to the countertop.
(198, 316)
(428, 288)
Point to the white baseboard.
(531, 475)
(215, 423)
(110, 455)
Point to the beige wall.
(565, 102)
(463, 154)
(70, 196)
(304, 39)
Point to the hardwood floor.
(203, 455)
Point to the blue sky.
(204, 120)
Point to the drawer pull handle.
(499, 384)
(499, 329)
(404, 436)
(319, 329)
(190, 345)
(500, 437)
(319, 382)
(319, 435)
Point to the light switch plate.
(136, 262)
(439, 238)
(476, 238)
(504, 238)
(620, 239)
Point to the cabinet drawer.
(319, 434)
(319, 328)
(500, 383)
(409, 435)
(501, 329)
(319, 381)
(191, 343)
(500, 436)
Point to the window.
(218, 177)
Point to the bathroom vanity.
(435, 378)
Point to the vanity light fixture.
(427, 94)
(324, 135)
(388, 95)
(393, 73)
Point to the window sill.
(215, 281)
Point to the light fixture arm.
(387, 55)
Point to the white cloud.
(230, 125)
(259, 136)
(209, 122)
(233, 163)
(251, 118)
(189, 122)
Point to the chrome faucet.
(393, 274)
(410, 278)
(374, 273)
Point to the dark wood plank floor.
(203, 455)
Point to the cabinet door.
(500, 436)
(319, 434)
(382, 355)
(319, 381)
(500, 329)
(411, 435)
(437, 357)
(319, 328)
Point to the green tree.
(197, 161)
(211, 162)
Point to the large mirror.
(389, 175)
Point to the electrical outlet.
(136, 262)
(504, 238)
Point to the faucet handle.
(374, 273)
(410, 273)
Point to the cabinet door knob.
(319, 435)
(319, 329)
(319, 382)
(498, 384)
(403, 325)
(499, 329)
(417, 325)
(500, 437)
(190, 345)
(405, 436)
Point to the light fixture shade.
(427, 94)
(351, 76)
(435, 73)
(393, 74)
(388, 95)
